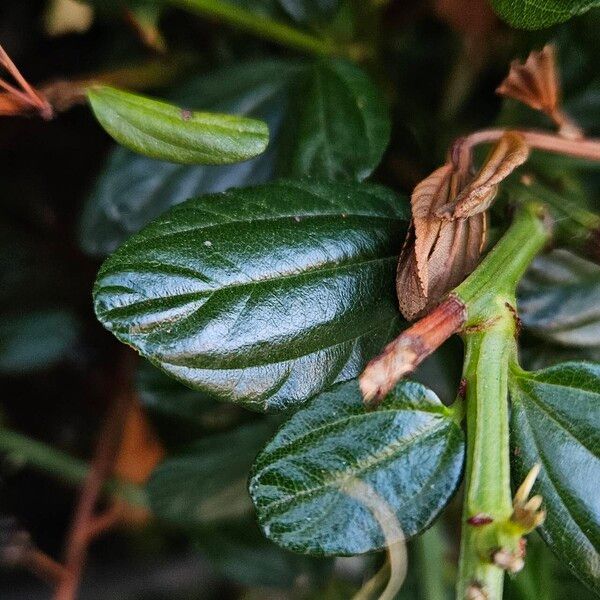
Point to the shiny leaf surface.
(262, 296)
(133, 189)
(409, 453)
(206, 482)
(537, 14)
(337, 126)
(555, 421)
(559, 299)
(343, 136)
(167, 132)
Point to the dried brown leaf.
(449, 225)
(438, 253)
(510, 152)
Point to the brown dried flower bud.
(536, 83)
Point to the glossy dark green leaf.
(537, 14)
(559, 299)
(310, 11)
(36, 340)
(337, 126)
(349, 138)
(556, 422)
(241, 553)
(207, 482)
(132, 190)
(409, 452)
(262, 296)
(163, 131)
(181, 415)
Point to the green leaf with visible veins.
(537, 14)
(133, 189)
(167, 132)
(409, 453)
(559, 299)
(555, 421)
(263, 296)
(337, 126)
(207, 481)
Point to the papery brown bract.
(438, 253)
(449, 224)
(510, 152)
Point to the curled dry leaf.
(536, 83)
(510, 152)
(447, 233)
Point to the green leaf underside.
(410, 452)
(133, 189)
(207, 481)
(537, 14)
(559, 299)
(36, 340)
(263, 296)
(556, 421)
(164, 131)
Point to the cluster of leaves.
(273, 286)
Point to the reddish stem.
(540, 140)
(101, 466)
(408, 350)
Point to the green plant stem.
(489, 294)
(74, 471)
(260, 25)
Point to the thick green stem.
(260, 25)
(489, 295)
(74, 471)
(487, 493)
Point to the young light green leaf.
(206, 482)
(555, 421)
(530, 14)
(337, 127)
(164, 131)
(263, 296)
(36, 340)
(133, 189)
(558, 299)
(409, 453)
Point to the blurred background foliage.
(70, 197)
